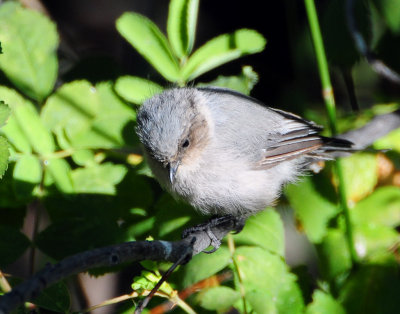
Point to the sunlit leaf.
(4, 155)
(313, 200)
(266, 273)
(371, 239)
(29, 42)
(222, 49)
(4, 148)
(181, 26)
(84, 116)
(99, 179)
(390, 141)
(148, 40)
(203, 266)
(136, 89)
(380, 208)
(360, 174)
(4, 113)
(218, 298)
(24, 128)
(334, 255)
(242, 83)
(264, 230)
(60, 171)
(27, 175)
(83, 157)
(324, 303)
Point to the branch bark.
(110, 256)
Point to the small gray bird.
(226, 153)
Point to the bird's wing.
(298, 137)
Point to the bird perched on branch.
(225, 153)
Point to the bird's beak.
(173, 168)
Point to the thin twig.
(187, 253)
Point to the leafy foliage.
(73, 150)
(4, 153)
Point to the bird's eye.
(185, 143)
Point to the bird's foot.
(237, 224)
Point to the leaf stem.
(329, 99)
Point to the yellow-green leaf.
(136, 89)
(29, 41)
(148, 40)
(181, 26)
(222, 49)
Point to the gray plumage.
(224, 152)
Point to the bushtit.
(226, 153)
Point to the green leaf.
(84, 157)
(267, 275)
(4, 113)
(371, 239)
(84, 116)
(203, 266)
(324, 303)
(372, 288)
(55, 298)
(312, 199)
(334, 256)
(380, 208)
(390, 11)
(136, 89)
(60, 172)
(39, 137)
(390, 141)
(222, 49)
(360, 174)
(27, 175)
(148, 40)
(4, 155)
(29, 41)
(24, 128)
(12, 244)
(4, 148)
(181, 26)
(261, 301)
(98, 179)
(242, 83)
(264, 230)
(218, 298)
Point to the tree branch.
(378, 127)
(110, 256)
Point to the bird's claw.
(238, 224)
